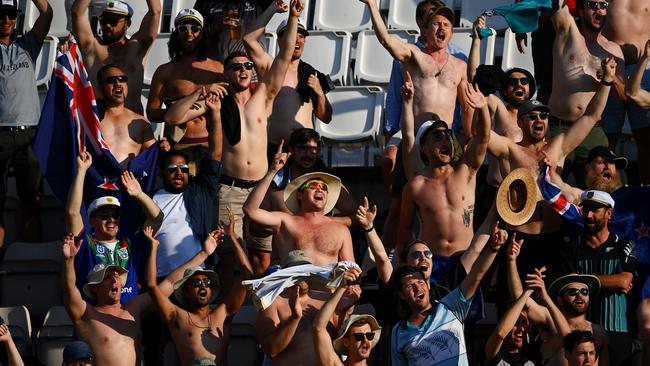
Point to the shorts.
(441, 265)
(596, 137)
(16, 151)
(233, 197)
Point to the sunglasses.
(183, 28)
(515, 81)
(361, 336)
(440, 135)
(110, 21)
(575, 291)
(314, 184)
(115, 79)
(171, 169)
(12, 15)
(420, 254)
(105, 215)
(238, 66)
(198, 282)
(595, 5)
(542, 115)
(307, 148)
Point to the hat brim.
(340, 348)
(123, 276)
(542, 107)
(180, 285)
(333, 191)
(592, 282)
(187, 18)
(505, 207)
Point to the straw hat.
(592, 282)
(333, 190)
(517, 197)
(180, 284)
(96, 276)
(374, 327)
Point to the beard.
(598, 182)
(597, 227)
(110, 39)
(571, 310)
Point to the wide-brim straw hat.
(333, 190)
(517, 197)
(374, 327)
(180, 284)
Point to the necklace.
(207, 329)
(442, 68)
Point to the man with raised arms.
(114, 47)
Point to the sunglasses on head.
(534, 115)
(171, 169)
(183, 28)
(314, 184)
(115, 79)
(238, 66)
(515, 81)
(574, 291)
(112, 21)
(361, 336)
(197, 282)
(12, 15)
(595, 5)
(104, 215)
(421, 253)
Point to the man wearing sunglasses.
(126, 132)
(179, 85)
(303, 90)
(20, 111)
(576, 77)
(113, 46)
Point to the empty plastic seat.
(59, 20)
(20, 327)
(274, 23)
(52, 216)
(471, 9)
(373, 62)
(512, 57)
(346, 15)
(461, 38)
(270, 43)
(54, 335)
(401, 14)
(158, 55)
(45, 61)
(329, 53)
(356, 114)
(139, 10)
(243, 349)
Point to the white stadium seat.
(57, 331)
(512, 57)
(349, 15)
(461, 38)
(329, 53)
(158, 55)
(471, 9)
(356, 114)
(139, 10)
(275, 21)
(20, 326)
(45, 61)
(59, 20)
(373, 62)
(270, 43)
(401, 14)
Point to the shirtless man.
(291, 110)
(111, 329)
(577, 51)
(183, 77)
(126, 132)
(306, 228)
(114, 47)
(442, 193)
(638, 91)
(197, 329)
(438, 77)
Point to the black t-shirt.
(510, 359)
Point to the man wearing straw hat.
(309, 198)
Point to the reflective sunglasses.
(238, 66)
(574, 291)
(361, 336)
(314, 184)
(104, 215)
(541, 115)
(440, 135)
(115, 79)
(112, 21)
(595, 5)
(183, 28)
(419, 254)
(198, 282)
(171, 169)
(11, 15)
(307, 148)
(515, 81)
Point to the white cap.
(598, 197)
(188, 14)
(302, 28)
(103, 201)
(426, 126)
(118, 7)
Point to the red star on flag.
(109, 184)
(643, 231)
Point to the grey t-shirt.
(19, 104)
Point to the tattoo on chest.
(467, 215)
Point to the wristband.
(607, 83)
(369, 230)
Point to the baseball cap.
(77, 351)
(118, 7)
(597, 199)
(532, 105)
(188, 15)
(609, 155)
(445, 12)
(103, 201)
(426, 126)
(9, 5)
(302, 29)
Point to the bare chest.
(324, 237)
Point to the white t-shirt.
(177, 240)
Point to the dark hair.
(401, 272)
(232, 55)
(164, 158)
(403, 254)
(420, 9)
(102, 71)
(577, 337)
(303, 136)
(176, 51)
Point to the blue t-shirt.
(439, 340)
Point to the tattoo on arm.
(467, 215)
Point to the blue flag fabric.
(522, 17)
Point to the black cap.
(76, 351)
(531, 105)
(9, 5)
(609, 155)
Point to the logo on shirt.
(101, 249)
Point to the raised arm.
(475, 153)
(255, 31)
(74, 304)
(42, 24)
(237, 294)
(398, 49)
(322, 340)
(505, 325)
(74, 222)
(474, 58)
(213, 125)
(81, 28)
(410, 152)
(193, 105)
(562, 19)
(252, 207)
(633, 89)
(154, 216)
(499, 146)
(484, 261)
(13, 356)
(273, 333)
(323, 107)
(166, 308)
(365, 216)
(150, 25)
